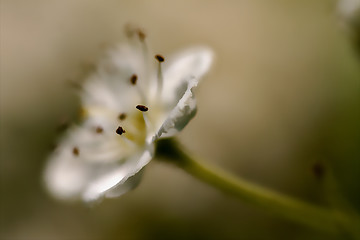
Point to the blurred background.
(283, 97)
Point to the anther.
(141, 35)
(122, 116)
(133, 79)
(159, 58)
(99, 130)
(75, 151)
(120, 130)
(142, 108)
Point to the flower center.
(126, 131)
(123, 133)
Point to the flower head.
(129, 102)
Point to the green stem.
(317, 217)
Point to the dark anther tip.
(142, 108)
(122, 116)
(159, 58)
(133, 79)
(99, 130)
(120, 130)
(141, 35)
(76, 151)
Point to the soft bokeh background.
(281, 101)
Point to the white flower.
(132, 100)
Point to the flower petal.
(110, 87)
(65, 176)
(192, 63)
(183, 112)
(104, 147)
(115, 182)
(126, 186)
(87, 164)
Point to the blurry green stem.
(317, 217)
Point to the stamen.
(141, 35)
(142, 108)
(100, 111)
(145, 51)
(147, 121)
(132, 32)
(159, 58)
(75, 151)
(99, 130)
(122, 116)
(120, 130)
(159, 74)
(128, 141)
(133, 79)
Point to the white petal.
(100, 164)
(109, 87)
(128, 185)
(114, 182)
(190, 64)
(65, 176)
(183, 112)
(105, 147)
